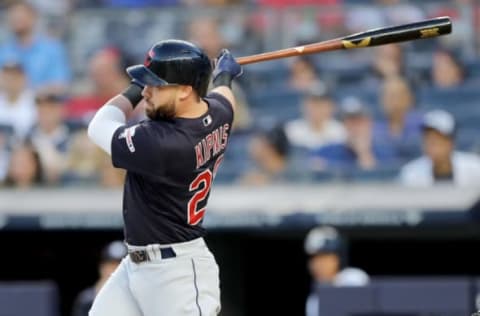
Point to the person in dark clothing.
(111, 256)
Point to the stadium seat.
(399, 297)
(275, 105)
(448, 98)
(346, 301)
(265, 75)
(432, 296)
(29, 298)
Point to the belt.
(139, 256)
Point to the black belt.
(138, 256)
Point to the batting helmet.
(323, 240)
(171, 62)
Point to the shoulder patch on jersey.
(207, 120)
(128, 134)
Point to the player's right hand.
(226, 63)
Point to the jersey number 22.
(201, 184)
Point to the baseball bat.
(381, 36)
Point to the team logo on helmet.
(149, 58)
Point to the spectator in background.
(44, 59)
(401, 124)
(360, 150)
(317, 127)
(326, 253)
(269, 151)
(210, 2)
(83, 161)
(17, 107)
(303, 75)
(138, 3)
(56, 14)
(53, 8)
(447, 70)
(110, 257)
(107, 78)
(110, 177)
(382, 13)
(87, 164)
(279, 3)
(205, 32)
(24, 170)
(388, 61)
(6, 144)
(51, 136)
(441, 163)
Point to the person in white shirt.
(17, 103)
(317, 127)
(441, 163)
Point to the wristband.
(133, 93)
(223, 79)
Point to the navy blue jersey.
(170, 168)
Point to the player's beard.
(162, 112)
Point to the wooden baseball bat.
(381, 36)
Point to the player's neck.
(192, 109)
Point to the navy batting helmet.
(174, 62)
(323, 240)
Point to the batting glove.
(226, 69)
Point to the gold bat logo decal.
(429, 32)
(356, 44)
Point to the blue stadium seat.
(277, 105)
(473, 68)
(265, 75)
(432, 296)
(400, 297)
(448, 98)
(467, 137)
(346, 301)
(345, 72)
(236, 160)
(29, 298)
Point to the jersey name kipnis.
(211, 144)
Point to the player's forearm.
(107, 120)
(104, 124)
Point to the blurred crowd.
(383, 113)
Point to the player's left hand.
(225, 62)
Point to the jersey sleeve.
(137, 148)
(223, 101)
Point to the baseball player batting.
(171, 160)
